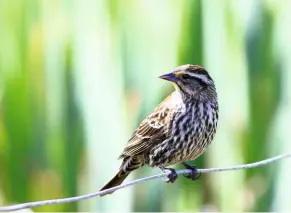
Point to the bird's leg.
(172, 175)
(194, 174)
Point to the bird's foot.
(172, 174)
(194, 174)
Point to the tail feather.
(116, 181)
(128, 165)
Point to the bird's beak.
(169, 77)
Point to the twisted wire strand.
(138, 181)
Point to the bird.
(179, 129)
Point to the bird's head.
(192, 80)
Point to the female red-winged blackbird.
(179, 129)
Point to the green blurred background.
(76, 78)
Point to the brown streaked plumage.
(179, 129)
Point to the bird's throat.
(177, 88)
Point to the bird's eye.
(186, 77)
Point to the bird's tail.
(128, 165)
(116, 181)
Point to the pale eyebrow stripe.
(203, 78)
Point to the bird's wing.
(152, 129)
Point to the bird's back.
(155, 128)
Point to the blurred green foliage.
(76, 78)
